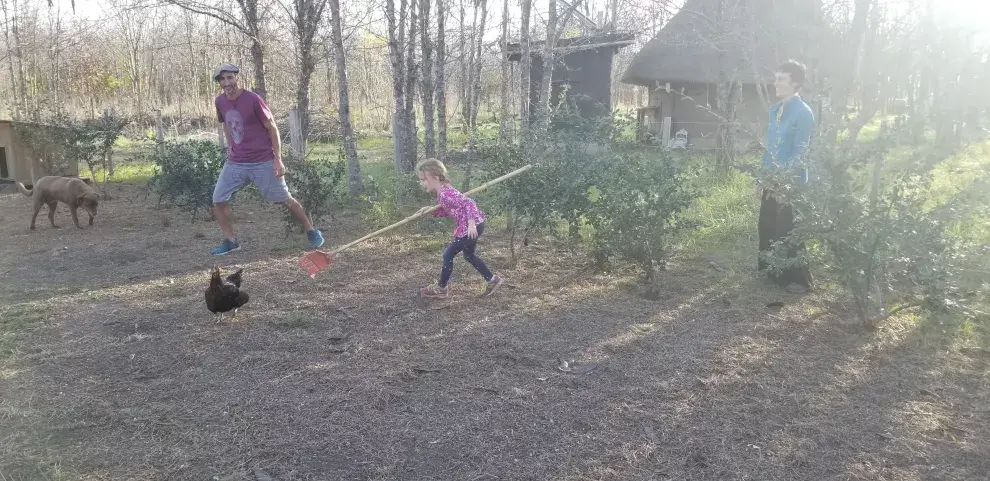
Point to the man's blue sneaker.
(226, 247)
(315, 238)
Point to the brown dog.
(72, 191)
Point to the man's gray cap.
(227, 67)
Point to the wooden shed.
(582, 71)
(17, 159)
(681, 65)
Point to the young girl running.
(470, 222)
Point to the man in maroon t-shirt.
(254, 156)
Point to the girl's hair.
(433, 167)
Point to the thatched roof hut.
(747, 39)
(746, 34)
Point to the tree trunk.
(9, 24)
(427, 85)
(504, 114)
(308, 15)
(727, 102)
(441, 86)
(543, 98)
(396, 55)
(253, 23)
(475, 94)
(726, 90)
(844, 82)
(466, 50)
(344, 105)
(331, 53)
(410, 115)
(870, 95)
(525, 67)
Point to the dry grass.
(111, 367)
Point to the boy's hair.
(795, 69)
(433, 167)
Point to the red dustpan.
(315, 261)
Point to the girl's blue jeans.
(466, 245)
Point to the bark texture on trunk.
(427, 84)
(544, 97)
(252, 24)
(441, 86)
(308, 15)
(504, 110)
(354, 184)
(396, 38)
(525, 67)
(475, 94)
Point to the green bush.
(876, 225)
(584, 176)
(635, 210)
(185, 174)
(314, 183)
(59, 141)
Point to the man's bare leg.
(222, 212)
(314, 236)
(298, 212)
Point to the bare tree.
(441, 86)
(10, 24)
(427, 84)
(410, 100)
(543, 104)
(844, 78)
(525, 67)
(465, 51)
(504, 115)
(249, 25)
(474, 95)
(549, 59)
(728, 13)
(344, 103)
(396, 39)
(306, 17)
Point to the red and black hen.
(224, 295)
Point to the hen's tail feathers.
(242, 298)
(235, 278)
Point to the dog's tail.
(24, 190)
(34, 181)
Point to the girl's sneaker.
(492, 286)
(435, 292)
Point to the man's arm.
(276, 141)
(802, 137)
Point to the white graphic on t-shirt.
(236, 124)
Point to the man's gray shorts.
(234, 176)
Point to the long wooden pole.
(421, 214)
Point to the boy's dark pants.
(776, 222)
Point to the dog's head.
(89, 201)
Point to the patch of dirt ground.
(112, 368)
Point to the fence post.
(665, 131)
(221, 138)
(295, 135)
(159, 129)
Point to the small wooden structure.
(17, 160)
(582, 71)
(681, 65)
